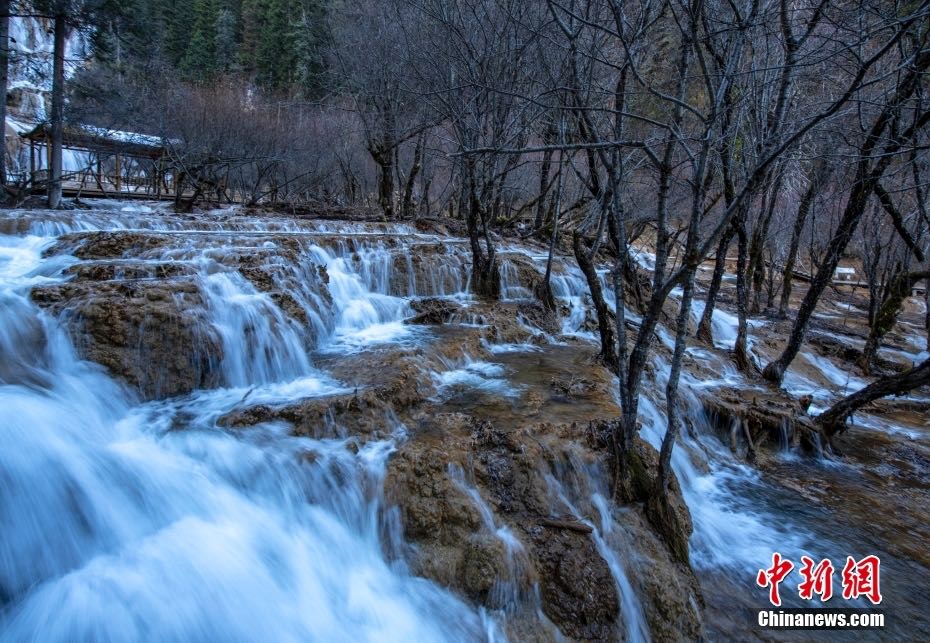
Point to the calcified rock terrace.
(290, 429)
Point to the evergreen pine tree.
(175, 14)
(252, 18)
(199, 59)
(310, 39)
(226, 40)
(276, 60)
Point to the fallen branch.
(571, 525)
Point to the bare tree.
(368, 60)
(806, 203)
(471, 68)
(56, 138)
(899, 120)
(834, 419)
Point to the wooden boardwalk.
(89, 185)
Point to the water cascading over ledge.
(308, 464)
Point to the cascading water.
(506, 594)
(571, 289)
(360, 284)
(284, 546)
(127, 520)
(119, 527)
(575, 484)
(260, 345)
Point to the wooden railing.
(89, 183)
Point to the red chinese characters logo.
(773, 576)
(817, 580)
(860, 579)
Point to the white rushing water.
(584, 485)
(119, 527)
(133, 520)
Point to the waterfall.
(359, 282)
(511, 288)
(119, 527)
(127, 519)
(574, 485)
(507, 593)
(260, 345)
(711, 480)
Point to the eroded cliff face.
(460, 447)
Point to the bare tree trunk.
(58, 108)
(740, 350)
(705, 331)
(833, 420)
(385, 162)
(705, 327)
(659, 507)
(543, 183)
(770, 283)
(898, 290)
(605, 325)
(485, 271)
(756, 272)
(927, 310)
(867, 177)
(799, 222)
(4, 79)
(485, 275)
(671, 387)
(775, 370)
(407, 210)
(544, 289)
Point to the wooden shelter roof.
(99, 139)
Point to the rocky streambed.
(309, 430)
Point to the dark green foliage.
(282, 43)
(275, 59)
(199, 61)
(226, 39)
(275, 43)
(311, 38)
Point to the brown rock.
(753, 419)
(153, 335)
(454, 547)
(577, 588)
(432, 311)
(108, 245)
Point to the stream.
(132, 513)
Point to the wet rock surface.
(574, 578)
(108, 245)
(750, 420)
(497, 460)
(432, 267)
(472, 491)
(136, 302)
(433, 310)
(556, 556)
(438, 515)
(153, 335)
